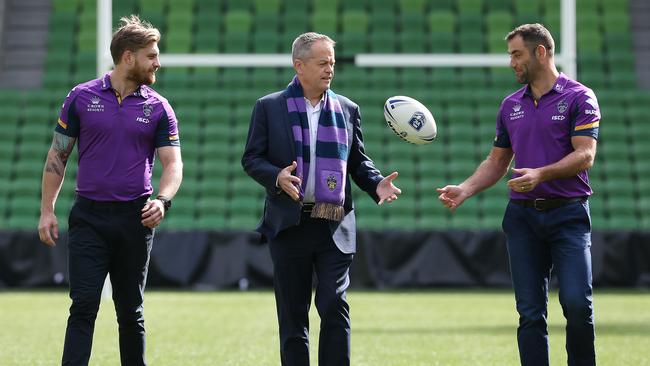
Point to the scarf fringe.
(329, 211)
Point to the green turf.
(388, 328)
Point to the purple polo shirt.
(117, 141)
(540, 133)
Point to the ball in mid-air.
(410, 120)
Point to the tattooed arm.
(53, 173)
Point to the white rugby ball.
(410, 120)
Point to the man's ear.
(540, 51)
(298, 65)
(128, 57)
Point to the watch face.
(166, 203)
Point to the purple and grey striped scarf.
(331, 151)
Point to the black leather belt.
(543, 204)
(137, 203)
(307, 208)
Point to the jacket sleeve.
(255, 158)
(361, 169)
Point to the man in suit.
(304, 143)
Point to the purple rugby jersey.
(117, 141)
(540, 134)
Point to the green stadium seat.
(527, 6)
(412, 42)
(382, 41)
(616, 22)
(499, 22)
(588, 22)
(325, 5)
(236, 43)
(206, 42)
(413, 6)
(266, 23)
(267, 6)
(444, 77)
(617, 42)
(208, 20)
(498, 5)
(441, 21)
(237, 21)
(382, 21)
(594, 79)
(355, 21)
(26, 168)
(473, 78)
(413, 24)
(552, 22)
(23, 221)
(295, 22)
(470, 6)
(325, 22)
(176, 78)
(266, 79)
(470, 22)
(442, 42)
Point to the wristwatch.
(167, 203)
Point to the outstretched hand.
(386, 190)
(288, 182)
(452, 196)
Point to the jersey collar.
(140, 92)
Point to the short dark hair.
(533, 36)
(133, 34)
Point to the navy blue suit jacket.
(270, 148)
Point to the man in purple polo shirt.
(550, 126)
(121, 123)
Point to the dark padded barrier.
(386, 259)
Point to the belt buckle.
(538, 204)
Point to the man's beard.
(528, 73)
(141, 76)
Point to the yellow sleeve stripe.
(591, 125)
(63, 124)
(173, 137)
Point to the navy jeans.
(539, 242)
(298, 253)
(107, 237)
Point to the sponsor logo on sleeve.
(594, 107)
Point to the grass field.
(441, 327)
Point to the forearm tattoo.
(59, 153)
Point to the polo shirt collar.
(106, 85)
(559, 86)
(560, 83)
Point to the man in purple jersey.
(550, 126)
(121, 123)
